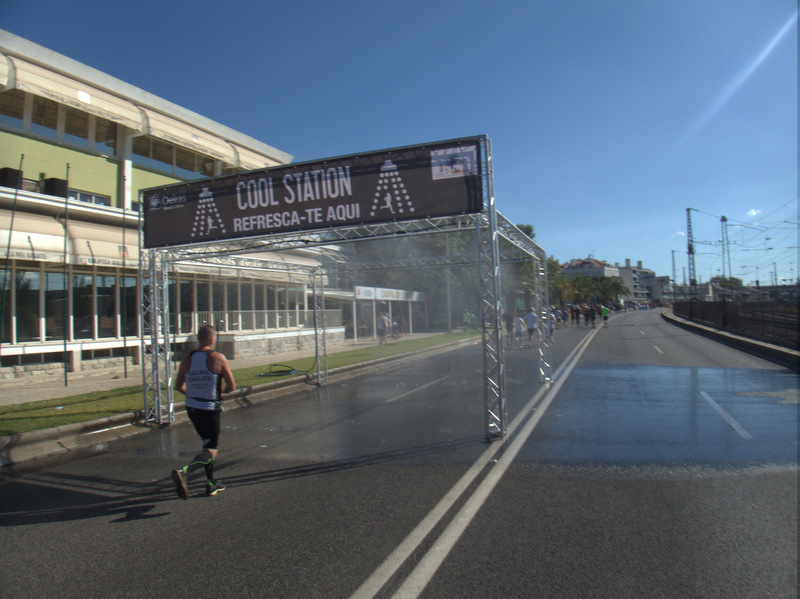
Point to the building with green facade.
(76, 146)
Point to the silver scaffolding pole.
(545, 316)
(491, 325)
(155, 348)
(320, 329)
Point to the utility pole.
(690, 254)
(724, 226)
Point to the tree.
(527, 229)
(598, 289)
(559, 284)
(727, 282)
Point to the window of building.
(76, 127)
(12, 108)
(26, 289)
(190, 165)
(162, 156)
(106, 304)
(55, 293)
(186, 304)
(141, 151)
(165, 157)
(105, 136)
(130, 305)
(44, 119)
(5, 306)
(89, 198)
(82, 306)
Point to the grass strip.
(48, 413)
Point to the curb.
(782, 356)
(24, 447)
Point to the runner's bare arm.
(180, 381)
(226, 374)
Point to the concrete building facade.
(76, 146)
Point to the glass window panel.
(141, 151)
(12, 108)
(281, 296)
(54, 301)
(162, 156)
(217, 299)
(233, 295)
(105, 136)
(259, 297)
(82, 307)
(172, 289)
(27, 286)
(187, 164)
(186, 302)
(5, 306)
(106, 305)
(130, 304)
(246, 296)
(202, 296)
(44, 119)
(76, 128)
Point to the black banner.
(437, 179)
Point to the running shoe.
(215, 488)
(180, 484)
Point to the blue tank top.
(203, 387)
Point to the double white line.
(528, 418)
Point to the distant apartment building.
(76, 146)
(589, 267)
(645, 287)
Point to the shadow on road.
(60, 497)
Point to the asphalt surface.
(658, 464)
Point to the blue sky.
(608, 118)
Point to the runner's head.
(206, 335)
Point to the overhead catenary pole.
(690, 254)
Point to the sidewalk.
(51, 386)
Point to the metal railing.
(772, 321)
(227, 321)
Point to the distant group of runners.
(520, 322)
(589, 314)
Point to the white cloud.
(753, 212)
(680, 233)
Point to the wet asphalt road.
(658, 464)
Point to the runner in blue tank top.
(201, 377)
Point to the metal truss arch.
(489, 226)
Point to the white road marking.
(727, 417)
(407, 393)
(658, 349)
(105, 430)
(422, 574)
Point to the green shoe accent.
(214, 489)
